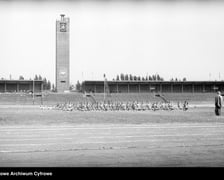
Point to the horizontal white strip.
(104, 136)
(160, 126)
(72, 135)
(34, 139)
(108, 142)
(106, 148)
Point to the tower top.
(62, 17)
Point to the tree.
(146, 78)
(135, 78)
(117, 78)
(21, 77)
(126, 77)
(45, 84)
(48, 85)
(78, 86)
(71, 87)
(36, 78)
(40, 78)
(153, 77)
(184, 79)
(150, 78)
(122, 76)
(139, 78)
(53, 88)
(130, 77)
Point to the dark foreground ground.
(30, 137)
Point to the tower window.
(63, 81)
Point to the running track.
(108, 145)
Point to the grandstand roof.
(146, 82)
(18, 81)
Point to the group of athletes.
(119, 106)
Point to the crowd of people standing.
(119, 106)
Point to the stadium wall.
(154, 86)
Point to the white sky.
(175, 39)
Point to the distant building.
(154, 86)
(21, 86)
(62, 54)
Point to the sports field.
(30, 136)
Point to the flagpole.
(33, 90)
(104, 88)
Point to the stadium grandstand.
(117, 91)
(153, 86)
(9, 86)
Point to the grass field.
(30, 136)
(53, 98)
(33, 115)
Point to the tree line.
(130, 77)
(176, 79)
(46, 83)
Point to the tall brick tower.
(62, 54)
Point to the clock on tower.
(63, 27)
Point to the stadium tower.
(62, 54)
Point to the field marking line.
(33, 139)
(221, 125)
(108, 148)
(122, 141)
(72, 135)
(59, 135)
(182, 144)
(157, 135)
(110, 136)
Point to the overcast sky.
(174, 39)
